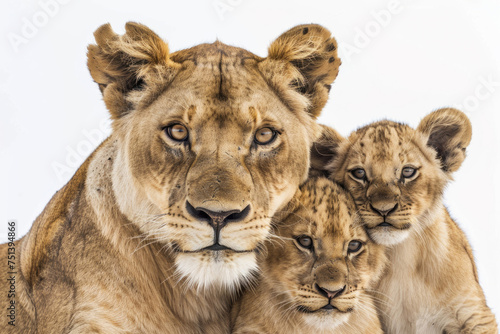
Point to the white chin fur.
(388, 236)
(325, 322)
(216, 269)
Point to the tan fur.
(286, 299)
(431, 285)
(117, 250)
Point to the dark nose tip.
(384, 213)
(328, 293)
(218, 219)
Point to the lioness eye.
(265, 136)
(305, 241)
(359, 173)
(354, 246)
(408, 172)
(177, 132)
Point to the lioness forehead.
(219, 71)
(221, 84)
(212, 52)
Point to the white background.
(401, 60)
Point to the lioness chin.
(397, 176)
(158, 229)
(317, 270)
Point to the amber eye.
(408, 172)
(354, 246)
(177, 132)
(359, 173)
(305, 241)
(265, 136)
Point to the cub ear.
(288, 209)
(301, 66)
(323, 151)
(449, 132)
(122, 64)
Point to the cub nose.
(384, 210)
(327, 293)
(217, 219)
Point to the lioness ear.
(122, 64)
(324, 150)
(449, 132)
(301, 65)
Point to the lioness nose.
(384, 210)
(327, 293)
(217, 219)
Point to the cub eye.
(408, 172)
(265, 136)
(359, 173)
(354, 246)
(305, 241)
(177, 132)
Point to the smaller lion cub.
(317, 270)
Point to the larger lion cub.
(397, 176)
(316, 271)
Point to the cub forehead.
(328, 206)
(386, 140)
(382, 134)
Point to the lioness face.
(215, 183)
(397, 174)
(325, 260)
(212, 142)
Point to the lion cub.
(317, 270)
(397, 176)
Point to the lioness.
(317, 270)
(397, 177)
(158, 229)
